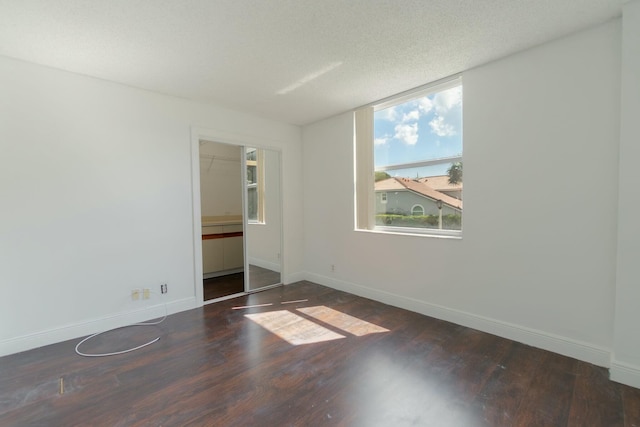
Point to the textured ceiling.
(296, 61)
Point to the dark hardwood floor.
(222, 286)
(230, 284)
(332, 359)
(261, 277)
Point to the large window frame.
(365, 197)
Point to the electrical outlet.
(146, 293)
(333, 268)
(135, 294)
(163, 288)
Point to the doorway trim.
(231, 138)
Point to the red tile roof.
(421, 188)
(441, 183)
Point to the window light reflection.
(294, 329)
(343, 321)
(297, 330)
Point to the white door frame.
(231, 138)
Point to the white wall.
(537, 259)
(220, 179)
(626, 362)
(95, 199)
(95, 194)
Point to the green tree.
(380, 175)
(455, 173)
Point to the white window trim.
(415, 206)
(259, 185)
(364, 179)
(422, 232)
(401, 98)
(439, 161)
(364, 162)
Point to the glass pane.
(251, 175)
(418, 162)
(252, 203)
(255, 184)
(264, 229)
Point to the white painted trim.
(562, 345)
(222, 273)
(198, 285)
(106, 323)
(418, 92)
(431, 162)
(265, 264)
(231, 138)
(414, 206)
(294, 277)
(226, 297)
(625, 373)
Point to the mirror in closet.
(264, 217)
(241, 218)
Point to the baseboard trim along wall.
(264, 264)
(64, 333)
(625, 373)
(294, 277)
(565, 346)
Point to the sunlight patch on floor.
(337, 319)
(297, 330)
(294, 329)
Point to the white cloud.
(448, 105)
(411, 116)
(444, 109)
(441, 128)
(380, 141)
(389, 114)
(425, 105)
(448, 99)
(407, 133)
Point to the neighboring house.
(415, 197)
(441, 183)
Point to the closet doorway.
(222, 219)
(240, 207)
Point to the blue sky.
(421, 129)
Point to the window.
(417, 210)
(409, 150)
(255, 185)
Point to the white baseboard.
(625, 373)
(265, 264)
(222, 273)
(568, 347)
(295, 277)
(64, 333)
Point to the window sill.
(415, 232)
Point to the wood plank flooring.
(222, 286)
(230, 284)
(377, 366)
